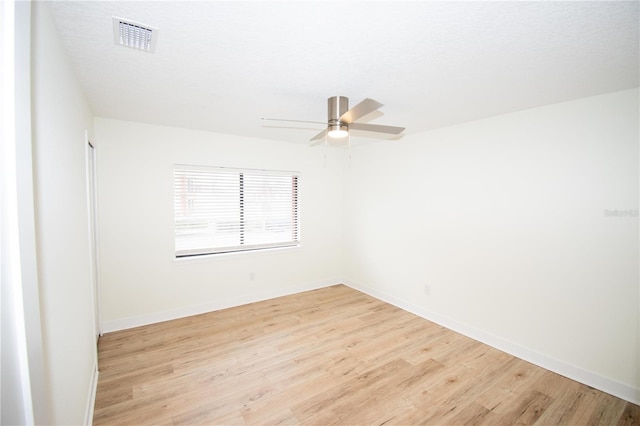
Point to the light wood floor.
(330, 356)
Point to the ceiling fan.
(341, 119)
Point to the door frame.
(92, 212)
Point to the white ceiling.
(222, 65)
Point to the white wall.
(504, 219)
(140, 280)
(60, 116)
(21, 339)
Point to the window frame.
(242, 246)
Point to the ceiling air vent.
(134, 35)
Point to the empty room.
(320, 212)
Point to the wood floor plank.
(630, 415)
(527, 408)
(601, 409)
(568, 399)
(472, 414)
(329, 356)
(513, 381)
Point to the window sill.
(205, 258)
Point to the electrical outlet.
(252, 276)
(427, 289)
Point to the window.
(221, 210)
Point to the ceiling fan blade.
(376, 128)
(319, 136)
(293, 121)
(360, 110)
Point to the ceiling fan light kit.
(338, 131)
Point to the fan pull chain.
(326, 146)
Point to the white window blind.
(221, 210)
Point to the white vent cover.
(134, 35)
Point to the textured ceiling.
(221, 66)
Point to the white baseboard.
(91, 398)
(589, 378)
(152, 318)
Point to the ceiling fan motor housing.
(337, 106)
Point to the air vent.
(134, 35)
